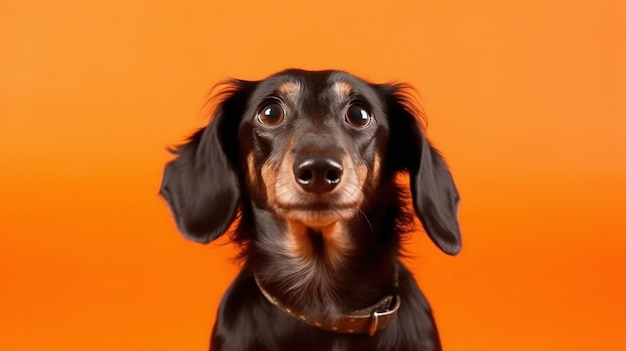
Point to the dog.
(304, 165)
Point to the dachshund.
(306, 167)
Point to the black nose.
(317, 174)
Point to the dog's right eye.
(271, 114)
(358, 116)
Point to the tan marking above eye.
(342, 89)
(290, 89)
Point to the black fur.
(344, 259)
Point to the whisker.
(367, 220)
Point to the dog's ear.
(434, 194)
(201, 186)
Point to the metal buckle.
(373, 324)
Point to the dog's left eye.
(357, 116)
(271, 114)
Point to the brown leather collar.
(365, 321)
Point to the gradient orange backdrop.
(525, 98)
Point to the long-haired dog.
(307, 162)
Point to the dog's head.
(308, 147)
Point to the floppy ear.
(201, 185)
(434, 194)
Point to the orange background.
(526, 99)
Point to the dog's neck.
(326, 271)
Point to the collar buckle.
(373, 324)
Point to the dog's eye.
(357, 116)
(271, 114)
